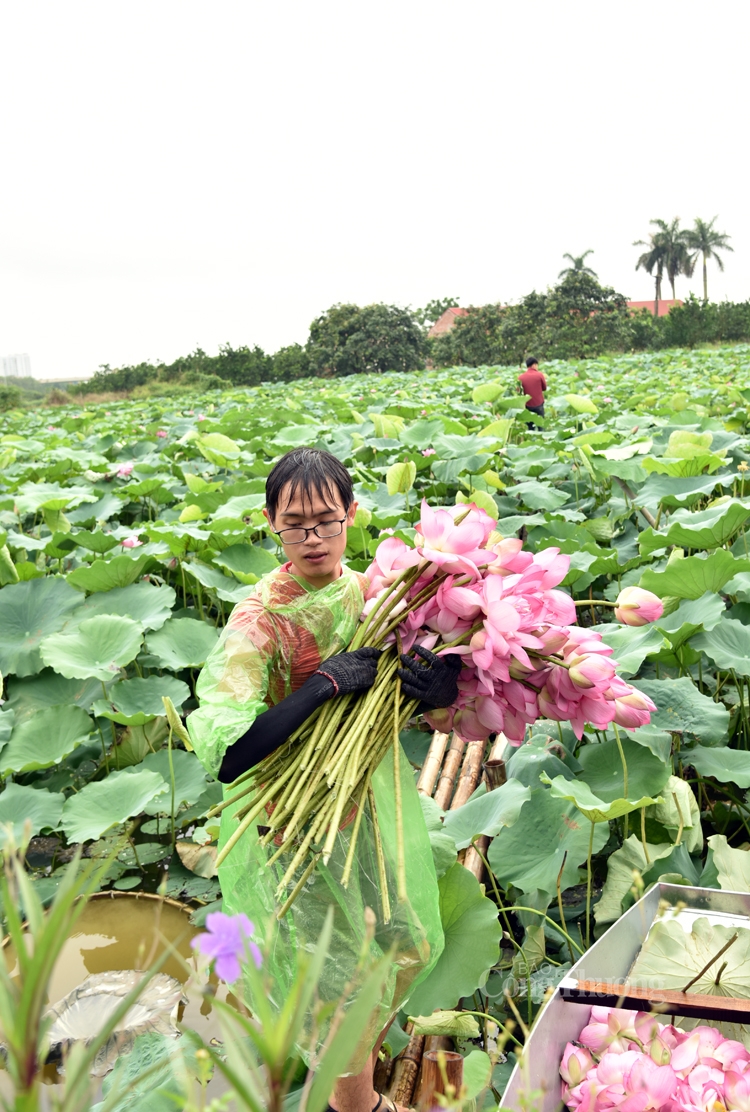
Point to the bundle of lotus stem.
(322, 775)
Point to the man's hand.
(432, 680)
(353, 671)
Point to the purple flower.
(227, 940)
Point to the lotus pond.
(129, 530)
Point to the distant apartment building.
(15, 366)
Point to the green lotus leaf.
(689, 466)
(672, 956)
(29, 612)
(530, 853)
(487, 392)
(682, 709)
(458, 1024)
(472, 943)
(728, 645)
(630, 644)
(143, 602)
(7, 722)
(103, 575)
(679, 809)
(693, 576)
(227, 588)
(247, 561)
(105, 803)
(674, 492)
(217, 448)
(97, 648)
(190, 776)
(706, 529)
(590, 805)
(241, 505)
(182, 643)
(478, 1074)
(49, 689)
(20, 805)
(580, 403)
(95, 542)
(732, 865)
(137, 701)
(620, 866)
(33, 497)
(399, 478)
(601, 770)
(691, 617)
(728, 766)
(487, 813)
(45, 739)
(539, 496)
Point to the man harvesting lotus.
(534, 384)
(280, 657)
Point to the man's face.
(317, 559)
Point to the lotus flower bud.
(636, 607)
(590, 671)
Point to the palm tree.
(579, 265)
(704, 240)
(677, 258)
(653, 260)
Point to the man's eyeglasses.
(298, 534)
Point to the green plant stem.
(173, 787)
(588, 885)
(626, 824)
(560, 905)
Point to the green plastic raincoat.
(274, 640)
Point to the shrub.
(10, 397)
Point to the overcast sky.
(176, 174)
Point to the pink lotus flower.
(428, 452)
(591, 671)
(737, 1090)
(457, 548)
(161, 433)
(575, 1064)
(124, 469)
(640, 1065)
(633, 709)
(636, 607)
(132, 542)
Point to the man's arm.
(274, 726)
(339, 675)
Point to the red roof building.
(664, 306)
(445, 322)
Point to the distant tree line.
(575, 319)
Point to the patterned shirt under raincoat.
(274, 640)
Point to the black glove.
(433, 682)
(354, 671)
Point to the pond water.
(128, 931)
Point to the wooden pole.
(494, 777)
(494, 767)
(432, 764)
(406, 1068)
(452, 762)
(471, 770)
(432, 1077)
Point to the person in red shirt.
(533, 383)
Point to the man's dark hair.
(531, 361)
(309, 470)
